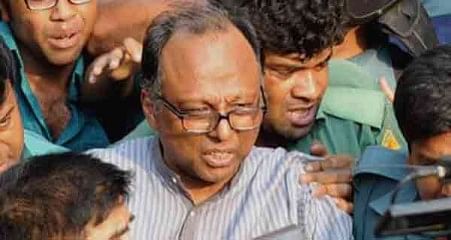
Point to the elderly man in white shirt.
(202, 177)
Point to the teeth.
(219, 155)
(300, 114)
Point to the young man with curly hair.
(308, 99)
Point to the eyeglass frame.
(53, 5)
(181, 114)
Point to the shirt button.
(192, 214)
(174, 180)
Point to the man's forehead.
(296, 59)
(433, 147)
(215, 54)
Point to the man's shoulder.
(353, 94)
(375, 178)
(128, 153)
(276, 161)
(385, 164)
(269, 156)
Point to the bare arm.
(119, 19)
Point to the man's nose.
(305, 86)
(63, 10)
(223, 130)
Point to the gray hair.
(192, 18)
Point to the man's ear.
(149, 109)
(5, 10)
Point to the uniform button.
(174, 180)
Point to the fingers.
(318, 149)
(331, 162)
(341, 193)
(341, 190)
(344, 205)
(119, 63)
(386, 89)
(328, 177)
(105, 63)
(134, 49)
(115, 58)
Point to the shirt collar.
(407, 193)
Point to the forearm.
(119, 19)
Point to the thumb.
(134, 49)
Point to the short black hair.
(57, 195)
(423, 95)
(195, 18)
(8, 69)
(307, 27)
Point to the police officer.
(423, 110)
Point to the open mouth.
(65, 40)
(302, 116)
(218, 159)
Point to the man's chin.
(300, 132)
(63, 57)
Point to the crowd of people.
(219, 119)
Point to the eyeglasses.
(39, 5)
(240, 119)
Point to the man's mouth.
(65, 40)
(302, 117)
(218, 158)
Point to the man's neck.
(270, 139)
(200, 191)
(50, 85)
(354, 43)
(40, 71)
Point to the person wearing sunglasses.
(47, 38)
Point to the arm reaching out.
(113, 69)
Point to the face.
(56, 35)
(428, 152)
(114, 227)
(11, 130)
(202, 73)
(294, 89)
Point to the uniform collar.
(408, 193)
(376, 161)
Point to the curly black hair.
(306, 27)
(57, 195)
